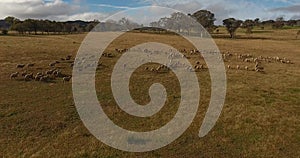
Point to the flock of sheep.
(47, 76)
(246, 61)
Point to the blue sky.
(99, 9)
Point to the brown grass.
(260, 116)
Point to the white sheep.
(28, 77)
(14, 75)
(67, 79)
(44, 78)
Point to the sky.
(88, 10)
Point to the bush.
(4, 32)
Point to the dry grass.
(260, 117)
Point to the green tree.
(206, 19)
(232, 25)
(248, 25)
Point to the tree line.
(33, 26)
(178, 22)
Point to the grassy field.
(260, 118)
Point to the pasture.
(260, 118)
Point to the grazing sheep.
(28, 77)
(238, 67)
(258, 68)
(37, 77)
(14, 75)
(198, 62)
(50, 72)
(246, 68)
(247, 60)
(20, 66)
(44, 78)
(67, 79)
(69, 57)
(190, 69)
(158, 68)
(57, 73)
(228, 66)
(39, 74)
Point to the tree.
(257, 22)
(232, 25)
(129, 25)
(10, 20)
(279, 23)
(205, 18)
(20, 27)
(248, 25)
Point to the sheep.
(69, 57)
(228, 66)
(238, 67)
(28, 77)
(67, 79)
(258, 68)
(49, 72)
(246, 68)
(20, 66)
(158, 68)
(38, 77)
(57, 73)
(198, 62)
(14, 75)
(39, 74)
(44, 78)
(247, 60)
(191, 69)
(201, 67)
(282, 61)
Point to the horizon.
(89, 10)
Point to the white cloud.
(87, 16)
(36, 8)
